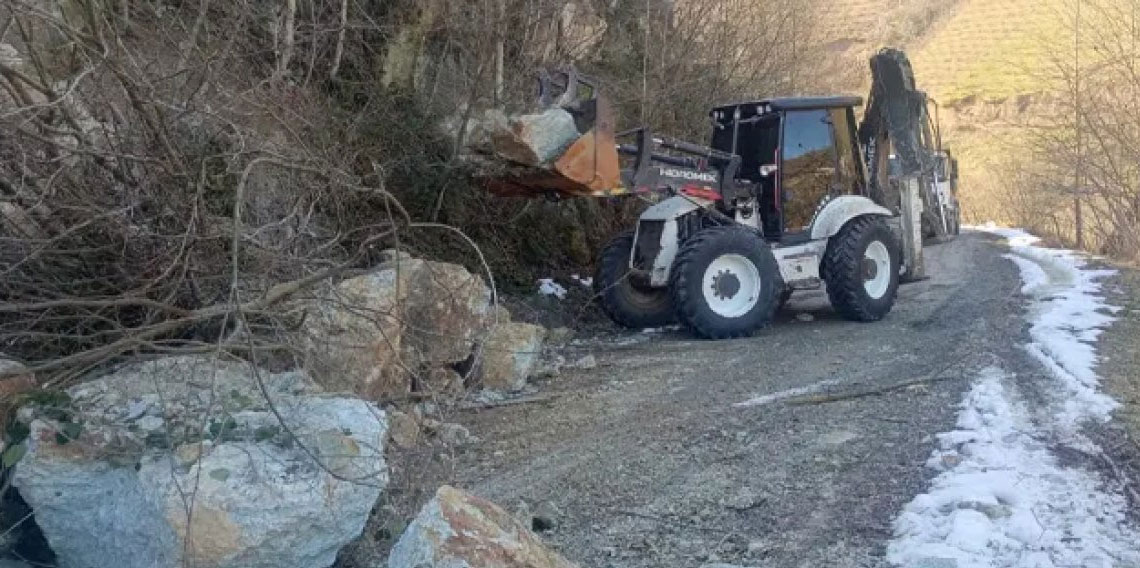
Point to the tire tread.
(843, 257)
(688, 308)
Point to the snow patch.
(1003, 500)
(548, 287)
(587, 281)
(1066, 317)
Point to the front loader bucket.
(568, 149)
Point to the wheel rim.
(876, 269)
(731, 285)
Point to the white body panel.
(668, 211)
(799, 264)
(674, 207)
(837, 212)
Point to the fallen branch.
(850, 395)
(508, 402)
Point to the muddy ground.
(650, 463)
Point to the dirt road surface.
(652, 460)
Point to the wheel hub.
(876, 269)
(731, 285)
(725, 285)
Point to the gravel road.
(652, 462)
(794, 448)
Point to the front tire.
(724, 283)
(861, 268)
(626, 303)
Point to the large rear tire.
(861, 269)
(627, 303)
(724, 283)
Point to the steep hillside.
(993, 68)
(991, 50)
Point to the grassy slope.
(991, 50)
(983, 56)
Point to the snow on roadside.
(1003, 499)
(1066, 317)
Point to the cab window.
(809, 168)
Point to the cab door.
(820, 160)
(808, 168)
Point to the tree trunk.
(339, 52)
(287, 39)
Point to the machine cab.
(799, 152)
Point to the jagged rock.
(403, 429)
(105, 493)
(533, 139)
(367, 332)
(509, 355)
(458, 530)
(354, 334)
(14, 379)
(447, 312)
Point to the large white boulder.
(459, 530)
(183, 461)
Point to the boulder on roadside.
(510, 354)
(458, 530)
(107, 493)
(354, 333)
(447, 312)
(368, 333)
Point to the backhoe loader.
(790, 194)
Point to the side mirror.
(768, 169)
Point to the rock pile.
(410, 324)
